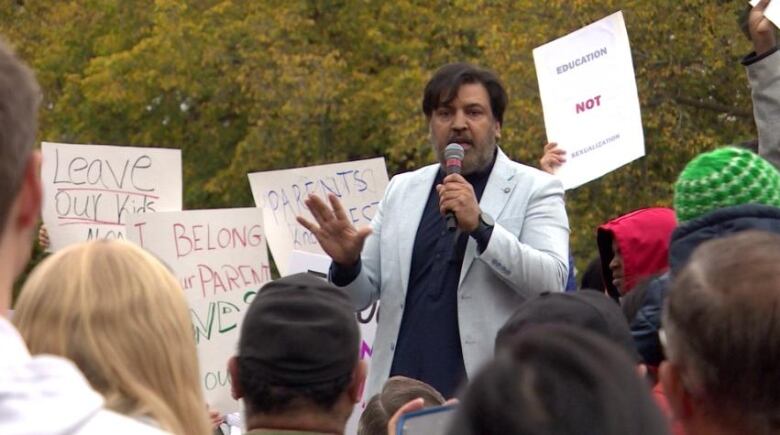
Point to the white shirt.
(47, 395)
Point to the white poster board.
(589, 96)
(221, 259)
(359, 185)
(772, 11)
(90, 190)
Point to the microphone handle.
(452, 221)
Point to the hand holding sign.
(761, 29)
(334, 230)
(552, 159)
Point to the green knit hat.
(725, 177)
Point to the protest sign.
(589, 96)
(359, 185)
(89, 190)
(772, 11)
(221, 259)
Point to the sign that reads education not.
(359, 185)
(590, 101)
(221, 260)
(89, 190)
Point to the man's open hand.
(334, 231)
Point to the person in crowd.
(587, 310)
(634, 246)
(397, 391)
(592, 276)
(718, 193)
(551, 160)
(43, 394)
(722, 337)
(444, 294)
(120, 315)
(558, 379)
(763, 67)
(298, 366)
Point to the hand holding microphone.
(457, 200)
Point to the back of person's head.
(592, 277)
(121, 316)
(556, 379)
(298, 351)
(586, 310)
(20, 196)
(397, 391)
(725, 177)
(722, 332)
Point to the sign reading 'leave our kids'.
(90, 190)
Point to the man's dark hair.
(556, 379)
(263, 397)
(19, 98)
(722, 323)
(396, 392)
(445, 83)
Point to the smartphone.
(428, 421)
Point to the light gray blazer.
(527, 254)
(764, 77)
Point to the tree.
(270, 84)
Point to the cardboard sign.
(90, 190)
(589, 96)
(221, 259)
(359, 186)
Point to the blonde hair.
(120, 315)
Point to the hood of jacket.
(43, 394)
(720, 223)
(642, 238)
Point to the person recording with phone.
(455, 246)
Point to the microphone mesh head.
(453, 151)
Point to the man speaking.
(445, 293)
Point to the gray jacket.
(764, 77)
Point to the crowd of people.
(674, 328)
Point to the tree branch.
(715, 107)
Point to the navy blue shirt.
(428, 346)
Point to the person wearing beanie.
(721, 192)
(718, 193)
(298, 367)
(725, 177)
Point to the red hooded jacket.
(642, 238)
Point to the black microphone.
(453, 160)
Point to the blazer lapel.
(415, 196)
(497, 192)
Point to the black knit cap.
(300, 330)
(585, 309)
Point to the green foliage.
(244, 86)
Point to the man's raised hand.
(334, 230)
